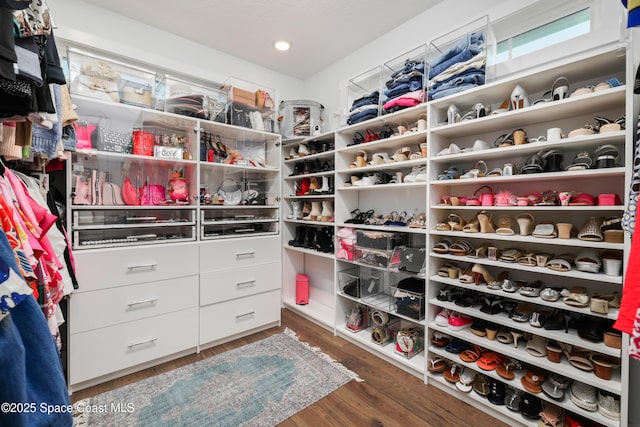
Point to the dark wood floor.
(387, 397)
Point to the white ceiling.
(320, 31)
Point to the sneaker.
(459, 321)
(411, 177)
(442, 318)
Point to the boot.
(296, 207)
(306, 209)
(303, 150)
(298, 241)
(325, 186)
(327, 211)
(304, 187)
(326, 241)
(314, 186)
(316, 212)
(308, 237)
(298, 169)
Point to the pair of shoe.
(417, 174)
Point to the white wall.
(92, 26)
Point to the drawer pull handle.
(246, 284)
(148, 301)
(136, 344)
(138, 267)
(244, 254)
(251, 313)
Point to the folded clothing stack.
(460, 68)
(405, 88)
(364, 108)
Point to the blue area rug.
(259, 384)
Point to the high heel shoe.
(560, 89)
(519, 98)
(516, 336)
(467, 275)
(480, 271)
(453, 114)
(486, 224)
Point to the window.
(554, 32)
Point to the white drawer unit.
(237, 253)
(107, 307)
(240, 282)
(225, 319)
(102, 269)
(108, 350)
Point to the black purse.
(16, 97)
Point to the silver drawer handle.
(251, 313)
(137, 267)
(243, 254)
(247, 284)
(142, 342)
(148, 301)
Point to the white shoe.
(411, 177)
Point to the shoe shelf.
(587, 174)
(308, 175)
(381, 302)
(401, 117)
(406, 229)
(556, 305)
(317, 156)
(574, 274)
(393, 166)
(616, 209)
(415, 364)
(404, 185)
(474, 399)
(307, 222)
(309, 251)
(516, 383)
(573, 242)
(363, 338)
(577, 143)
(376, 267)
(230, 168)
(309, 197)
(570, 337)
(545, 112)
(391, 143)
(520, 353)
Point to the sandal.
(471, 355)
(591, 230)
(560, 263)
(575, 297)
(460, 248)
(489, 361)
(505, 226)
(507, 368)
(472, 226)
(480, 251)
(456, 223)
(510, 255)
(437, 365)
(479, 170)
(523, 312)
(545, 230)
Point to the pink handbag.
(481, 199)
(152, 194)
(83, 135)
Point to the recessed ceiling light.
(282, 45)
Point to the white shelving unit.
(316, 162)
(567, 114)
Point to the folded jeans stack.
(364, 108)
(405, 87)
(460, 68)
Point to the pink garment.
(407, 100)
(634, 342)
(631, 288)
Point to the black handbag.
(16, 97)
